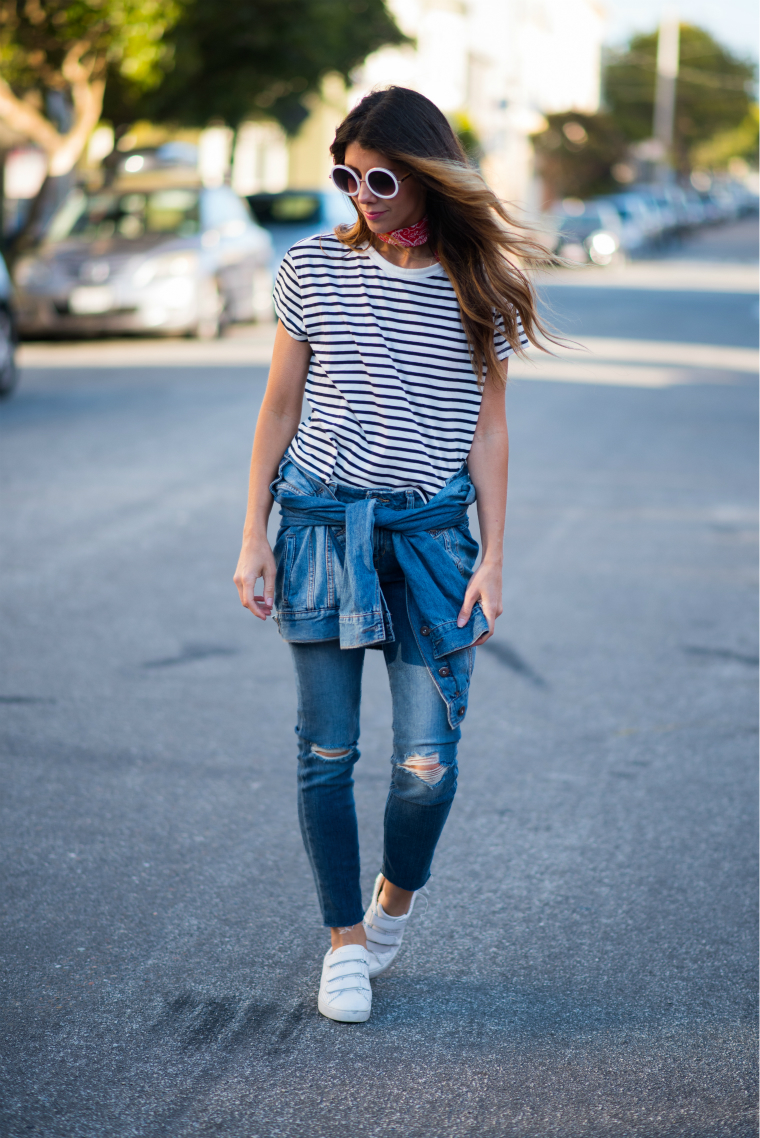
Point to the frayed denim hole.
(426, 768)
(329, 754)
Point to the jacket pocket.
(281, 484)
(460, 545)
(335, 552)
(301, 584)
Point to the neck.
(408, 245)
(419, 256)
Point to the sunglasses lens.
(345, 181)
(382, 184)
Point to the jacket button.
(425, 630)
(444, 671)
(460, 711)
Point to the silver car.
(588, 231)
(146, 255)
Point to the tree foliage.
(576, 153)
(257, 57)
(55, 57)
(713, 92)
(740, 142)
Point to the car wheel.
(8, 369)
(210, 306)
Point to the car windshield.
(127, 215)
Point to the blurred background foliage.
(125, 38)
(255, 57)
(737, 142)
(465, 131)
(576, 154)
(716, 117)
(713, 92)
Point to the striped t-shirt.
(393, 395)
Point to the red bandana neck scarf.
(407, 238)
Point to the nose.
(365, 195)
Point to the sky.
(734, 23)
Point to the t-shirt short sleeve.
(288, 303)
(503, 348)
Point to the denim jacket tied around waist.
(327, 587)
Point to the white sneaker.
(344, 991)
(384, 933)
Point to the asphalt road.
(587, 964)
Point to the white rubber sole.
(360, 1016)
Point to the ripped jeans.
(423, 765)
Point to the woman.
(398, 330)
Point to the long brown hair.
(474, 237)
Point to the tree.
(713, 91)
(576, 153)
(55, 57)
(465, 131)
(257, 57)
(724, 148)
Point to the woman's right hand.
(256, 560)
(277, 424)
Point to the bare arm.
(278, 422)
(488, 462)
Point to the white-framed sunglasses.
(380, 182)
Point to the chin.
(379, 225)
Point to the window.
(108, 214)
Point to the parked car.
(155, 252)
(291, 215)
(588, 231)
(645, 212)
(695, 207)
(637, 231)
(732, 199)
(662, 208)
(8, 334)
(745, 198)
(711, 211)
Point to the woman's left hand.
(484, 586)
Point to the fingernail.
(269, 601)
(461, 622)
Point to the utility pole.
(665, 91)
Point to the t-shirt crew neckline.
(399, 270)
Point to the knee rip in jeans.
(330, 752)
(427, 768)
